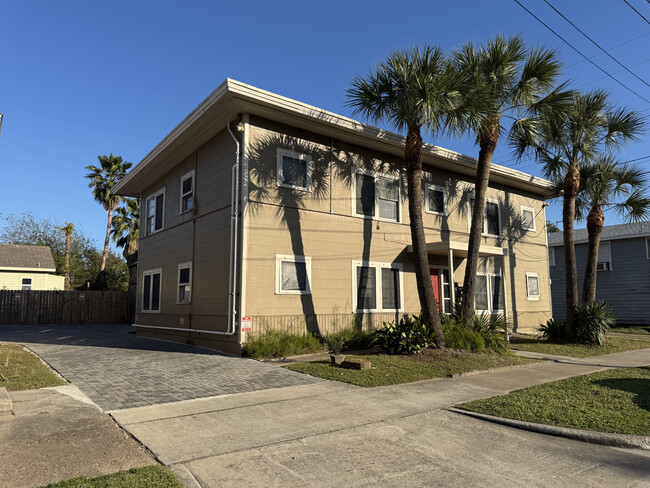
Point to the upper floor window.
(155, 211)
(647, 247)
(551, 256)
(527, 218)
(377, 286)
(489, 293)
(604, 257)
(292, 275)
(294, 170)
(184, 283)
(491, 216)
(187, 191)
(435, 197)
(532, 286)
(26, 284)
(376, 195)
(151, 285)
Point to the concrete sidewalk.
(330, 434)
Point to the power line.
(597, 45)
(615, 73)
(580, 53)
(640, 14)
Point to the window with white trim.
(187, 192)
(184, 283)
(488, 295)
(294, 169)
(155, 208)
(292, 275)
(647, 247)
(376, 195)
(26, 284)
(151, 286)
(551, 257)
(604, 257)
(528, 218)
(377, 287)
(436, 197)
(491, 216)
(532, 286)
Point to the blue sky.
(81, 79)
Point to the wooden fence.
(40, 307)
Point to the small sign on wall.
(82, 297)
(246, 324)
(17, 296)
(182, 319)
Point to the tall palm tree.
(67, 229)
(607, 184)
(507, 81)
(562, 141)
(126, 226)
(412, 90)
(103, 178)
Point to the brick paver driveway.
(116, 369)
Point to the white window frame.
(291, 258)
(378, 291)
(187, 175)
(485, 226)
(31, 283)
(181, 266)
(531, 210)
(146, 212)
(428, 188)
(375, 175)
(605, 245)
(488, 287)
(281, 152)
(539, 288)
(151, 272)
(551, 257)
(647, 247)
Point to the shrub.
(553, 330)
(279, 343)
(460, 337)
(493, 329)
(487, 332)
(408, 336)
(592, 321)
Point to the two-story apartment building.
(263, 212)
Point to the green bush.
(488, 331)
(592, 321)
(278, 344)
(350, 338)
(408, 336)
(459, 337)
(553, 330)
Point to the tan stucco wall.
(320, 224)
(11, 280)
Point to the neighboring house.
(28, 268)
(311, 230)
(623, 276)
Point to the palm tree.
(507, 81)
(412, 90)
(102, 180)
(126, 226)
(67, 229)
(562, 141)
(603, 184)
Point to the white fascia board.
(28, 270)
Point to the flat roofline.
(233, 97)
(28, 270)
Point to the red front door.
(435, 281)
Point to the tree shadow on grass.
(640, 387)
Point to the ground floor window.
(377, 287)
(532, 286)
(489, 293)
(184, 283)
(26, 284)
(292, 275)
(151, 284)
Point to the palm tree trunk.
(571, 187)
(595, 221)
(488, 142)
(108, 236)
(67, 261)
(413, 160)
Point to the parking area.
(117, 369)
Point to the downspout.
(234, 242)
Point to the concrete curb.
(614, 440)
(6, 405)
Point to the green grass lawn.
(613, 344)
(645, 330)
(22, 370)
(617, 400)
(392, 370)
(148, 477)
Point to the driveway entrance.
(117, 369)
